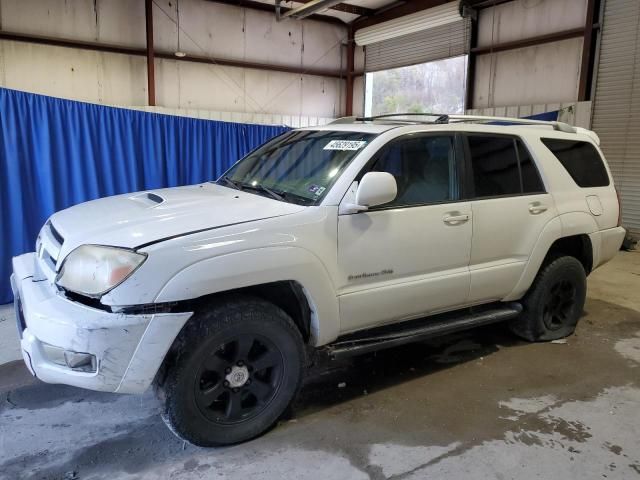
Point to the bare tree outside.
(437, 86)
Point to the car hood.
(137, 219)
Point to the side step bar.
(365, 342)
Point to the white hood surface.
(136, 219)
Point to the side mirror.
(376, 188)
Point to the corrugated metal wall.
(616, 107)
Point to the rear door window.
(502, 166)
(581, 160)
(495, 166)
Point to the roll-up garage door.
(431, 34)
(616, 109)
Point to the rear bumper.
(126, 351)
(606, 244)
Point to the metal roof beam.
(347, 8)
(266, 7)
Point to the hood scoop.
(148, 199)
(155, 198)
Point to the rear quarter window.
(581, 160)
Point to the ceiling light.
(178, 53)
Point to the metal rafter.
(270, 7)
(347, 8)
(530, 41)
(305, 10)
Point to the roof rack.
(441, 118)
(560, 126)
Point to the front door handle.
(537, 208)
(455, 218)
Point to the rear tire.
(554, 303)
(238, 367)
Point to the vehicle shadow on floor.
(331, 382)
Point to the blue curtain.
(55, 153)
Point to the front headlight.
(93, 270)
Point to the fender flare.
(564, 225)
(259, 266)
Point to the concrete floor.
(479, 405)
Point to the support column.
(350, 66)
(585, 67)
(151, 71)
(471, 66)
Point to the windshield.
(298, 166)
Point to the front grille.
(48, 248)
(56, 234)
(19, 316)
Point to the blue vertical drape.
(55, 153)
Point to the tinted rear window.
(495, 166)
(496, 171)
(581, 160)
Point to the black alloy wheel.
(560, 304)
(239, 379)
(555, 301)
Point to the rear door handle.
(537, 208)
(455, 218)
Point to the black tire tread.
(216, 317)
(529, 325)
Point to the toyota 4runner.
(360, 235)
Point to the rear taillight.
(619, 208)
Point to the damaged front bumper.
(70, 343)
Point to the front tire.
(554, 303)
(238, 367)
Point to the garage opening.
(437, 86)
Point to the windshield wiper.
(262, 188)
(278, 195)
(232, 183)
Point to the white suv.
(359, 235)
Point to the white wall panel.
(216, 30)
(74, 19)
(78, 74)
(358, 96)
(528, 18)
(118, 25)
(322, 91)
(208, 29)
(573, 113)
(541, 74)
(322, 44)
